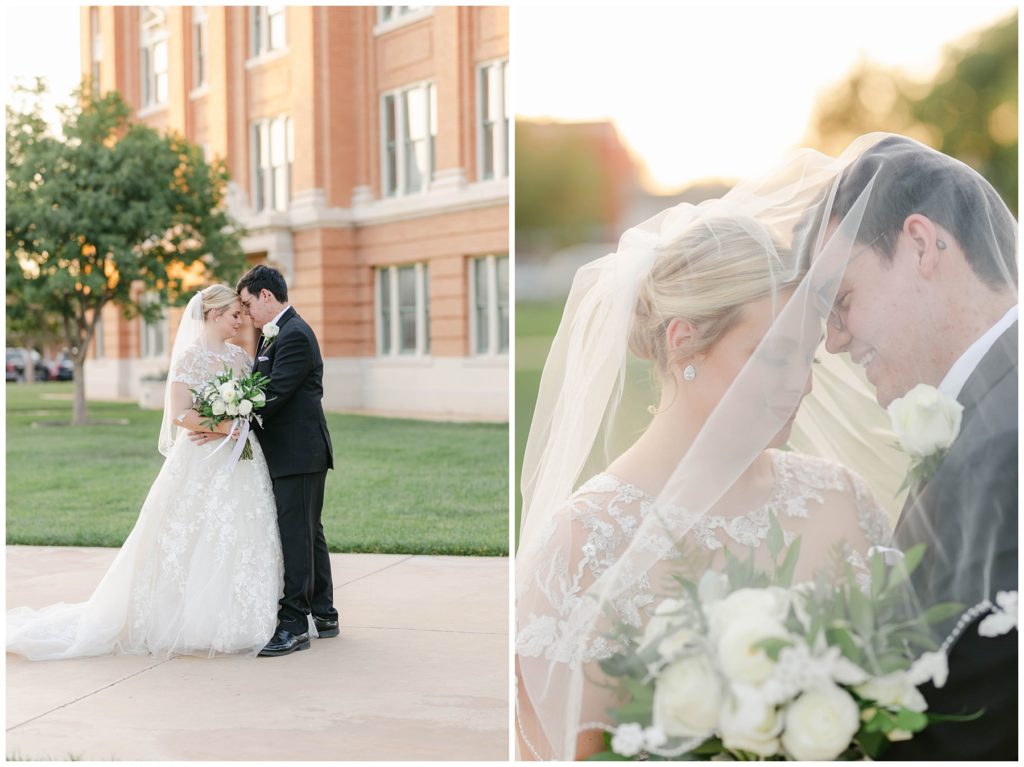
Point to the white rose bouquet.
(228, 396)
(743, 665)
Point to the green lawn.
(399, 486)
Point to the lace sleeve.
(189, 369)
(874, 520)
(585, 538)
(241, 361)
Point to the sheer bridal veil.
(814, 218)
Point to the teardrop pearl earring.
(689, 373)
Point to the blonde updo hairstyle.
(217, 299)
(706, 276)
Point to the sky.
(697, 91)
(723, 91)
(41, 39)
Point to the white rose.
(270, 330)
(770, 603)
(232, 408)
(229, 391)
(750, 723)
(893, 690)
(244, 407)
(218, 407)
(820, 724)
(687, 699)
(667, 616)
(740, 659)
(628, 739)
(925, 420)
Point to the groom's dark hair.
(910, 178)
(264, 277)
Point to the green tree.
(972, 107)
(968, 110)
(569, 186)
(104, 214)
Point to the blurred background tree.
(572, 182)
(112, 212)
(968, 110)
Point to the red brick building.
(368, 150)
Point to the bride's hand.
(202, 437)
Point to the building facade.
(368, 150)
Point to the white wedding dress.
(201, 571)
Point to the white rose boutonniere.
(270, 331)
(926, 423)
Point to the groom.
(931, 298)
(297, 447)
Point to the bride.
(201, 571)
(722, 305)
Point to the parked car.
(16, 358)
(63, 369)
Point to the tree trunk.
(81, 417)
(79, 346)
(30, 365)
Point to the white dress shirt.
(957, 376)
(286, 308)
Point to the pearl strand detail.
(965, 620)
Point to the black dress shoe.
(326, 627)
(285, 642)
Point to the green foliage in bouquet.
(862, 633)
(228, 397)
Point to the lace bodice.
(810, 497)
(198, 365)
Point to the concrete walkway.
(420, 672)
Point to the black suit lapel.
(261, 343)
(997, 363)
(993, 368)
(288, 314)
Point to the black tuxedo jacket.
(977, 477)
(294, 434)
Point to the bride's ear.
(680, 334)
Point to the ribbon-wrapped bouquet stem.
(232, 397)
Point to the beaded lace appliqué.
(610, 512)
(198, 365)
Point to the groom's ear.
(922, 232)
